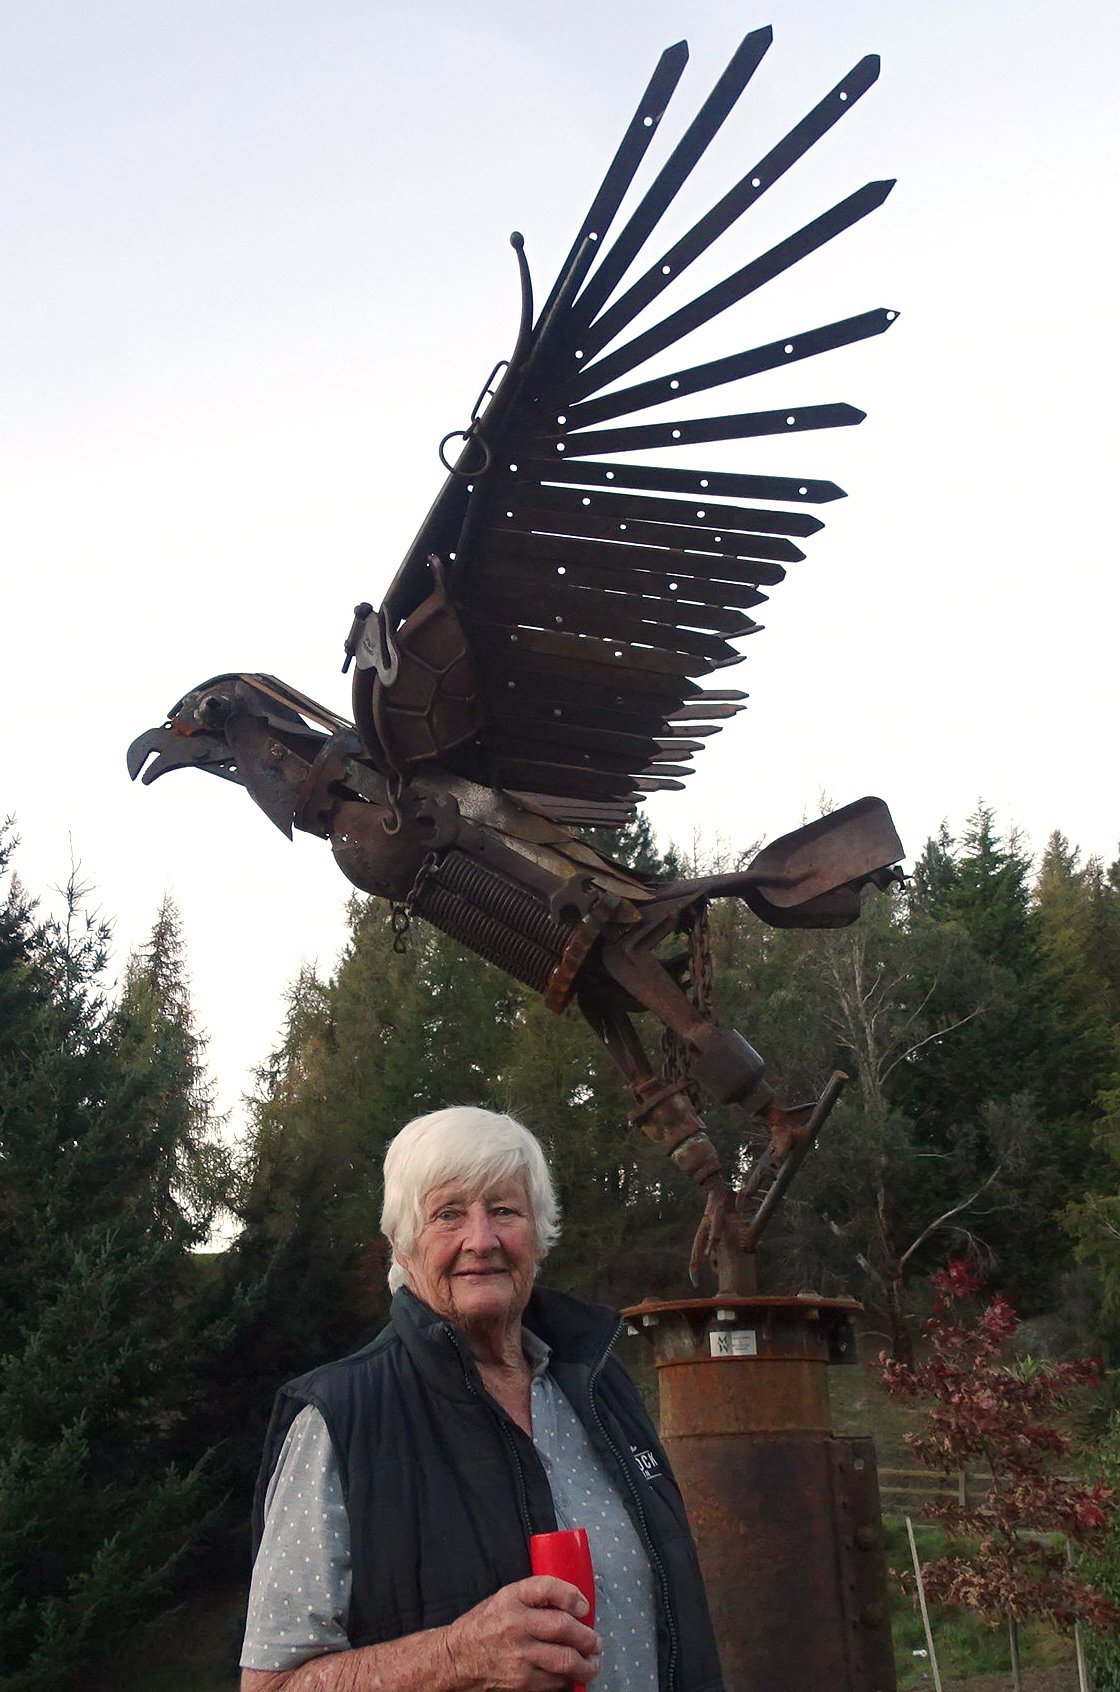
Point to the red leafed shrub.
(982, 1411)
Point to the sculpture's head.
(251, 729)
(193, 736)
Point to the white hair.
(480, 1149)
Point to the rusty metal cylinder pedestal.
(786, 1515)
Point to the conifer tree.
(392, 1034)
(97, 1326)
(1011, 1090)
(1092, 1219)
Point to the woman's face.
(474, 1256)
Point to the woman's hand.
(527, 1638)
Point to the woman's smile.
(475, 1255)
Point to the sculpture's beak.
(168, 748)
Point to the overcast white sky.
(254, 265)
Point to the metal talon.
(699, 1253)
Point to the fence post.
(1078, 1637)
(922, 1605)
(1016, 1664)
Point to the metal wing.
(554, 621)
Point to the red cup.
(567, 1555)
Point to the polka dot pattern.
(300, 1594)
(584, 1496)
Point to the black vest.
(443, 1489)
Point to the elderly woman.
(400, 1486)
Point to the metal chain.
(394, 787)
(700, 965)
(472, 432)
(697, 982)
(400, 912)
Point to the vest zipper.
(519, 1476)
(655, 1561)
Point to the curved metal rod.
(525, 327)
(466, 436)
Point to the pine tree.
(934, 876)
(98, 1326)
(180, 1159)
(1012, 1090)
(981, 890)
(878, 1198)
(1092, 1219)
(392, 1034)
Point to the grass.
(965, 1645)
(860, 1406)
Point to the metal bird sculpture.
(535, 667)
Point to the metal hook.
(394, 787)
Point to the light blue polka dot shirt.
(300, 1595)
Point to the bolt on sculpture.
(534, 668)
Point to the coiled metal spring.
(499, 920)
